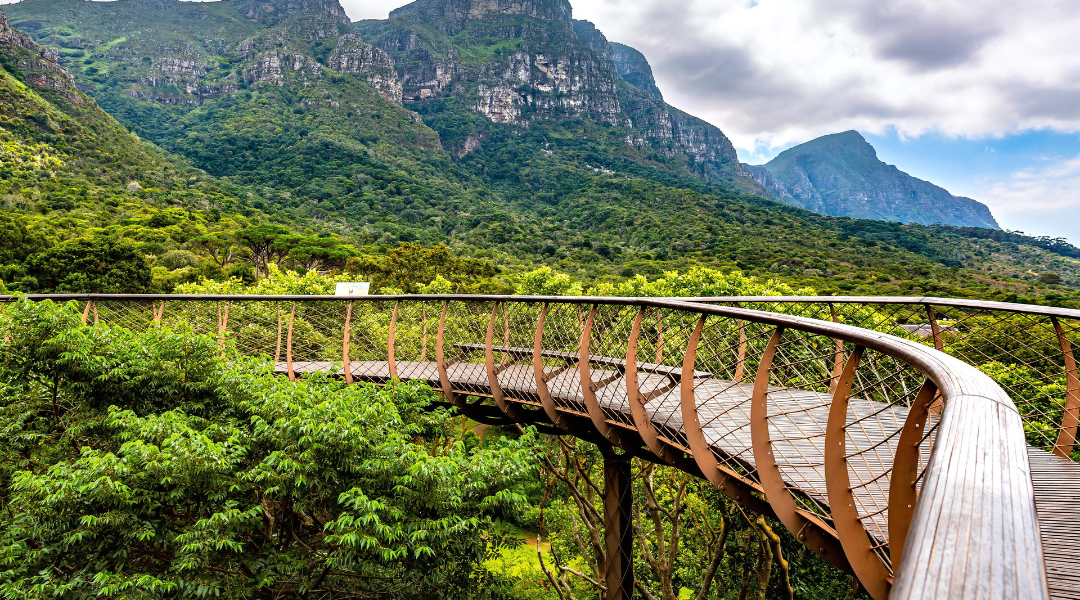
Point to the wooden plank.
(797, 420)
(1056, 482)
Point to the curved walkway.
(889, 458)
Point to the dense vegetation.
(146, 465)
(143, 464)
(329, 159)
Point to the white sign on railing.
(353, 289)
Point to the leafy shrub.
(141, 464)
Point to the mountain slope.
(528, 65)
(635, 69)
(841, 175)
(312, 135)
(69, 170)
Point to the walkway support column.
(618, 528)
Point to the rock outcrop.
(319, 18)
(516, 62)
(35, 64)
(522, 57)
(523, 61)
(636, 70)
(354, 57)
(841, 175)
(451, 17)
(594, 39)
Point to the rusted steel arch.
(804, 525)
(973, 526)
(857, 545)
(596, 413)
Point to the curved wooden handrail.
(974, 531)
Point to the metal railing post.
(1070, 417)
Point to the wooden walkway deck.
(797, 421)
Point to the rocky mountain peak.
(274, 12)
(451, 16)
(850, 143)
(841, 175)
(635, 69)
(593, 38)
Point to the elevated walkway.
(888, 456)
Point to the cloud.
(783, 71)
(1045, 189)
(925, 37)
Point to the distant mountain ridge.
(528, 62)
(299, 118)
(841, 175)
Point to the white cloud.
(783, 71)
(1046, 189)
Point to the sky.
(981, 98)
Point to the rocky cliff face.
(669, 130)
(36, 64)
(513, 57)
(516, 62)
(319, 18)
(451, 17)
(764, 176)
(185, 53)
(635, 69)
(841, 175)
(594, 39)
(353, 56)
(519, 62)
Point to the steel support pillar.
(618, 528)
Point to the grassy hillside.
(69, 170)
(323, 152)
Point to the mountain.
(70, 170)
(529, 64)
(380, 132)
(841, 175)
(635, 69)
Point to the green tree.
(219, 246)
(259, 241)
(411, 266)
(17, 239)
(96, 265)
(141, 464)
(313, 253)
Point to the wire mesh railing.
(833, 417)
(1027, 350)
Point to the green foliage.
(696, 282)
(309, 252)
(260, 242)
(277, 283)
(410, 267)
(545, 282)
(329, 156)
(97, 265)
(142, 465)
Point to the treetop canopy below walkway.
(919, 443)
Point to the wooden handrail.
(974, 531)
